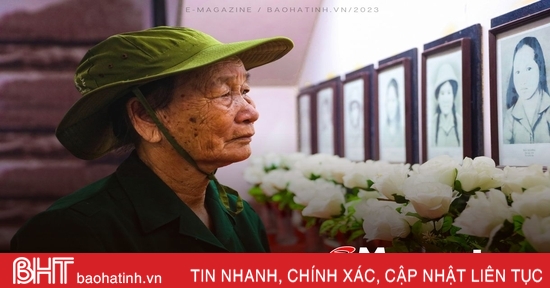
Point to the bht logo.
(25, 271)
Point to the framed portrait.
(395, 106)
(326, 114)
(305, 120)
(355, 112)
(519, 58)
(450, 125)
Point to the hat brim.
(86, 129)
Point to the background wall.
(41, 43)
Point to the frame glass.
(326, 116)
(445, 92)
(395, 105)
(451, 96)
(519, 58)
(305, 120)
(355, 111)
(445, 98)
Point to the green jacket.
(133, 210)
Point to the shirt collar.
(156, 204)
(519, 114)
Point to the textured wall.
(39, 51)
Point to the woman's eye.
(245, 91)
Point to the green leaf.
(351, 210)
(416, 228)
(310, 221)
(314, 177)
(277, 197)
(356, 234)
(447, 224)
(398, 246)
(369, 184)
(414, 215)
(458, 186)
(258, 194)
(454, 229)
(527, 247)
(458, 239)
(256, 190)
(400, 199)
(518, 224)
(295, 206)
(326, 225)
(334, 231)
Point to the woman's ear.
(143, 124)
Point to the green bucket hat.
(122, 62)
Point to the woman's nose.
(248, 112)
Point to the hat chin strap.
(222, 190)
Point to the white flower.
(326, 202)
(533, 201)
(300, 186)
(391, 180)
(361, 172)
(288, 161)
(516, 179)
(274, 182)
(339, 168)
(355, 178)
(440, 169)
(430, 199)
(426, 227)
(316, 165)
(481, 172)
(254, 174)
(271, 160)
(537, 232)
(381, 220)
(484, 214)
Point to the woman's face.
(446, 98)
(391, 102)
(526, 72)
(212, 116)
(354, 113)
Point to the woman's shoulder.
(92, 195)
(55, 230)
(73, 210)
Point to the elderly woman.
(180, 98)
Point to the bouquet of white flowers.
(441, 205)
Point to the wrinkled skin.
(211, 116)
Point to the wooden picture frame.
(356, 114)
(452, 121)
(395, 108)
(304, 108)
(520, 102)
(326, 117)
